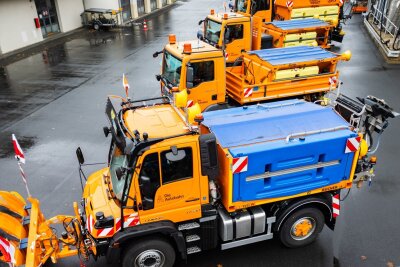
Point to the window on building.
(153, 5)
(140, 7)
(202, 72)
(233, 32)
(176, 164)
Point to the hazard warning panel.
(352, 144)
(240, 164)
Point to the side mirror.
(106, 131)
(157, 53)
(158, 77)
(201, 21)
(189, 76)
(79, 155)
(226, 35)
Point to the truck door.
(168, 184)
(203, 84)
(235, 40)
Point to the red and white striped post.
(19, 155)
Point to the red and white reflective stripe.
(336, 205)
(8, 251)
(105, 232)
(332, 80)
(289, 3)
(131, 220)
(352, 144)
(226, 55)
(118, 225)
(189, 103)
(248, 92)
(90, 223)
(240, 164)
(19, 154)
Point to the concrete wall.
(17, 28)
(69, 12)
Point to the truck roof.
(299, 24)
(219, 17)
(197, 47)
(290, 55)
(240, 128)
(158, 121)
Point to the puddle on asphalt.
(6, 146)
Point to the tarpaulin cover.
(298, 24)
(256, 139)
(294, 54)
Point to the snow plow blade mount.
(27, 238)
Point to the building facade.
(26, 22)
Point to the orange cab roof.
(157, 121)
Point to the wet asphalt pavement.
(54, 101)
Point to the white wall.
(110, 4)
(17, 28)
(69, 14)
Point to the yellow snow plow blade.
(29, 236)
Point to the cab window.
(149, 180)
(202, 72)
(233, 32)
(176, 164)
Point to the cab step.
(192, 250)
(188, 226)
(192, 238)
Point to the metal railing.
(383, 21)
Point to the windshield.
(213, 31)
(172, 68)
(241, 5)
(118, 160)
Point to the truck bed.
(279, 150)
(298, 32)
(281, 72)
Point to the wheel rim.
(150, 258)
(303, 228)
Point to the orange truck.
(254, 25)
(262, 75)
(327, 10)
(179, 183)
(234, 32)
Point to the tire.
(301, 227)
(155, 252)
(96, 26)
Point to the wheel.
(96, 26)
(149, 253)
(302, 227)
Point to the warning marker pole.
(145, 25)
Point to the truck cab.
(260, 8)
(155, 177)
(196, 66)
(228, 31)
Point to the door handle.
(192, 199)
